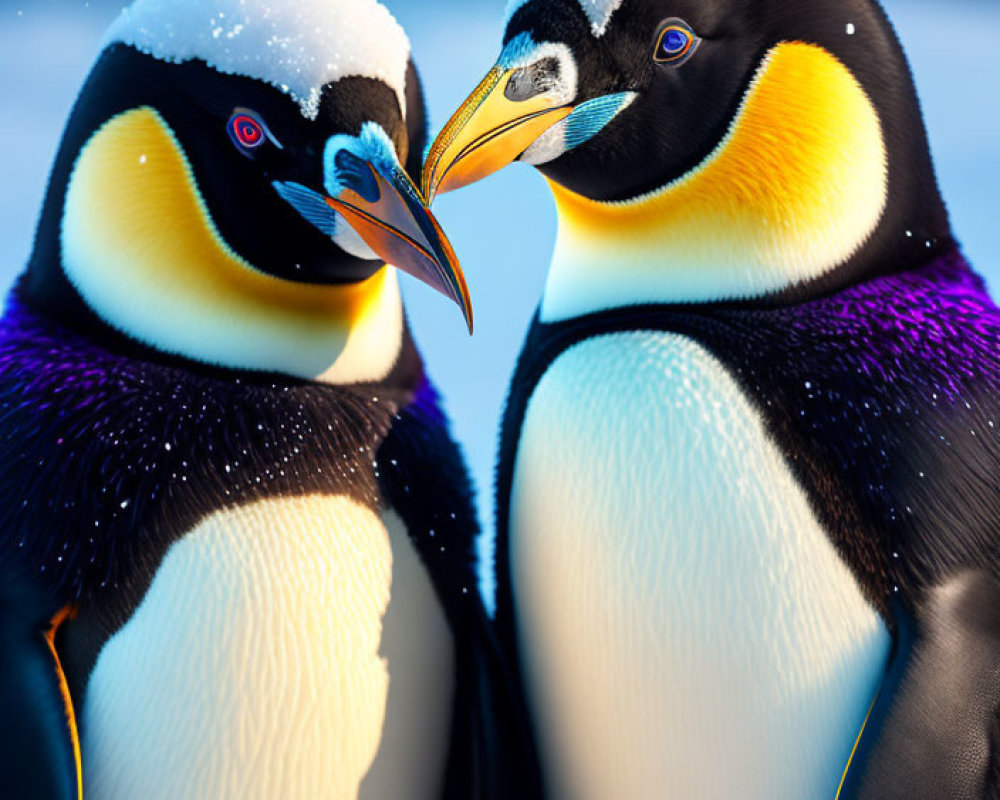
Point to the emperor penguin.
(236, 538)
(749, 483)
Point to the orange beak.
(397, 225)
(487, 133)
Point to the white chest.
(688, 629)
(293, 648)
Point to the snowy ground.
(46, 47)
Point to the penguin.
(237, 539)
(747, 499)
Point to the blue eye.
(676, 43)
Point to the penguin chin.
(547, 147)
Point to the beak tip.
(429, 188)
(464, 302)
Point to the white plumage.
(688, 629)
(294, 648)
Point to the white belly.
(689, 631)
(290, 649)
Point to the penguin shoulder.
(115, 454)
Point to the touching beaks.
(489, 131)
(387, 211)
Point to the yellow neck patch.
(139, 245)
(797, 186)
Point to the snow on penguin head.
(296, 47)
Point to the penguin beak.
(394, 221)
(488, 132)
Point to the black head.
(632, 99)
(231, 189)
(199, 105)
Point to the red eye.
(246, 132)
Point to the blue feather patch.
(311, 205)
(516, 51)
(590, 118)
(353, 173)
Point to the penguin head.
(749, 148)
(233, 181)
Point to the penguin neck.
(795, 196)
(147, 260)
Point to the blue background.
(502, 229)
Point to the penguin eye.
(675, 43)
(247, 131)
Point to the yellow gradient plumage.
(149, 244)
(797, 186)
